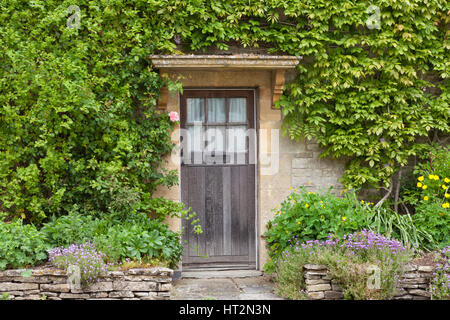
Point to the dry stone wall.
(413, 285)
(52, 284)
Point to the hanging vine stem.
(388, 193)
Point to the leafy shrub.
(90, 261)
(310, 216)
(21, 245)
(348, 259)
(435, 220)
(73, 228)
(140, 238)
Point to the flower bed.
(415, 283)
(52, 284)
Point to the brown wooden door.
(218, 177)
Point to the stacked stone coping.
(413, 285)
(51, 284)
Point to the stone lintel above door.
(276, 64)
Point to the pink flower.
(174, 116)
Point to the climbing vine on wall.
(78, 121)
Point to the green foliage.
(367, 93)
(309, 216)
(73, 228)
(436, 221)
(78, 123)
(21, 245)
(430, 196)
(5, 296)
(140, 238)
(402, 227)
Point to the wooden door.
(218, 177)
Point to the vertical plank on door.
(243, 210)
(197, 201)
(209, 211)
(251, 215)
(226, 210)
(235, 192)
(218, 210)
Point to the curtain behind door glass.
(195, 109)
(238, 109)
(216, 110)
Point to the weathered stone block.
(99, 295)
(50, 294)
(333, 295)
(10, 286)
(99, 286)
(121, 294)
(151, 272)
(318, 287)
(73, 296)
(315, 267)
(302, 163)
(151, 296)
(318, 281)
(56, 287)
(420, 292)
(304, 155)
(141, 294)
(135, 286)
(316, 295)
(165, 287)
(115, 273)
(411, 275)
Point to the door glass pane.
(195, 138)
(215, 139)
(195, 109)
(237, 139)
(238, 109)
(216, 110)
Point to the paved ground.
(223, 285)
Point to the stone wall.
(52, 284)
(414, 284)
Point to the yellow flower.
(298, 222)
(431, 177)
(295, 189)
(425, 198)
(290, 197)
(436, 177)
(447, 180)
(447, 195)
(419, 185)
(444, 186)
(293, 201)
(290, 188)
(306, 205)
(420, 178)
(309, 192)
(445, 205)
(344, 218)
(424, 187)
